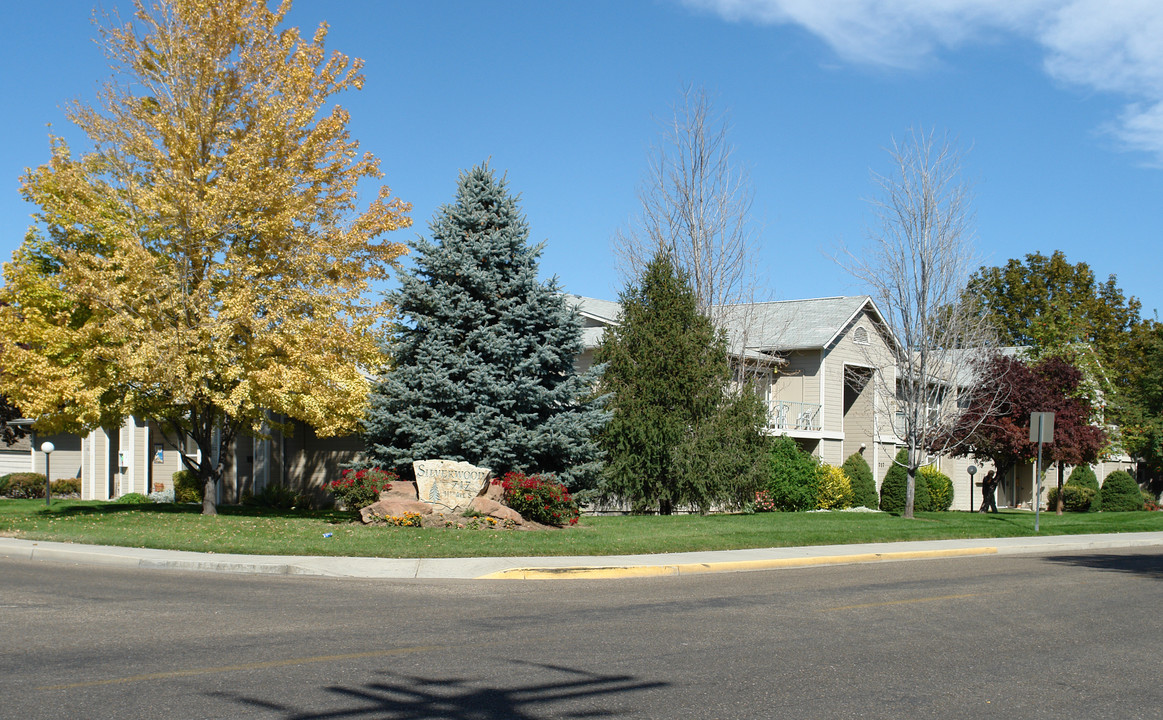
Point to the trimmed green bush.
(940, 488)
(133, 499)
(794, 483)
(835, 491)
(862, 481)
(1075, 498)
(1120, 493)
(3, 485)
(187, 487)
(1083, 476)
(66, 486)
(25, 485)
(894, 489)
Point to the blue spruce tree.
(483, 357)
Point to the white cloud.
(1096, 44)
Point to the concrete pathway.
(528, 568)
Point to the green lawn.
(273, 532)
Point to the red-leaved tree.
(1049, 385)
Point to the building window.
(860, 336)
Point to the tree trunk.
(210, 495)
(910, 492)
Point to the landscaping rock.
(492, 508)
(400, 490)
(393, 508)
(449, 485)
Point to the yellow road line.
(605, 573)
(245, 666)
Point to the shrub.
(356, 489)
(187, 487)
(3, 485)
(1120, 493)
(1150, 502)
(893, 491)
(1083, 476)
(540, 498)
(133, 499)
(794, 483)
(162, 496)
(862, 481)
(25, 485)
(835, 491)
(66, 486)
(278, 497)
(1075, 498)
(940, 488)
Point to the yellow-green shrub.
(835, 491)
(940, 488)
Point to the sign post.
(1041, 431)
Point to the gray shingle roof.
(767, 326)
(792, 324)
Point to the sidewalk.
(529, 568)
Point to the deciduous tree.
(916, 265)
(1002, 434)
(205, 264)
(1050, 304)
(696, 203)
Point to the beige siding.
(162, 467)
(66, 459)
(799, 379)
(845, 352)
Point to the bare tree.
(917, 263)
(696, 203)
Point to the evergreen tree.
(863, 484)
(483, 360)
(666, 372)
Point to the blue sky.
(1058, 103)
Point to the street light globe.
(47, 447)
(972, 470)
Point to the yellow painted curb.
(606, 573)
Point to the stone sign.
(448, 484)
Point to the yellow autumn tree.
(205, 264)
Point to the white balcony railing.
(794, 416)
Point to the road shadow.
(407, 697)
(1148, 564)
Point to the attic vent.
(860, 335)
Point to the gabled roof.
(778, 326)
(797, 324)
(604, 311)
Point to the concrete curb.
(562, 568)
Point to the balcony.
(794, 416)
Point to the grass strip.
(261, 531)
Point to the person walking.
(988, 487)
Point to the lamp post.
(972, 469)
(47, 449)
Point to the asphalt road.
(1053, 636)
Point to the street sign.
(1042, 427)
(1041, 431)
